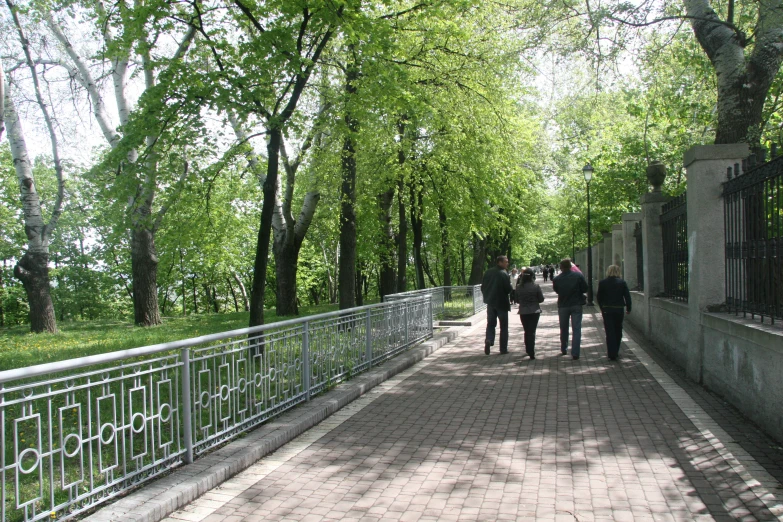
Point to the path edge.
(154, 501)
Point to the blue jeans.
(574, 313)
(493, 314)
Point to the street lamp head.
(587, 170)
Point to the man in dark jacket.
(570, 287)
(496, 287)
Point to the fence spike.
(736, 170)
(744, 166)
(728, 173)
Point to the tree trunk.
(265, 228)
(359, 286)
(402, 240)
(743, 78)
(144, 269)
(387, 283)
(286, 267)
(33, 271)
(479, 260)
(242, 291)
(2, 285)
(347, 265)
(402, 235)
(445, 248)
(33, 267)
(195, 297)
(417, 223)
(233, 294)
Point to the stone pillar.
(706, 169)
(629, 248)
(617, 245)
(652, 244)
(606, 254)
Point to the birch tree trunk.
(242, 291)
(32, 268)
(743, 79)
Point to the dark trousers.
(613, 326)
(529, 325)
(493, 315)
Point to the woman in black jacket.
(612, 297)
(529, 296)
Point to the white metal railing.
(76, 433)
(448, 301)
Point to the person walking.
(529, 296)
(570, 287)
(551, 272)
(496, 288)
(546, 273)
(612, 297)
(514, 279)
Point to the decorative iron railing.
(637, 234)
(448, 301)
(753, 213)
(76, 433)
(674, 231)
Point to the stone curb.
(158, 499)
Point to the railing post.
(405, 313)
(306, 359)
(368, 345)
(187, 406)
(432, 316)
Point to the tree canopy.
(208, 157)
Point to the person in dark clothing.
(551, 273)
(570, 287)
(546, 273)
(496, 288)
(529, 296)
(612, 297)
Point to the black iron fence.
(753, 213)
(674, 229)
(637, 234)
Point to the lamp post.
(587, 170)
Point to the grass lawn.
(20, 348)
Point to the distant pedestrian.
(570, 287)
(546, 273)
(496, 287)
(529, 297)
(551, 272)
(514, 278)
(612, 297)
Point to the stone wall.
(739, 359)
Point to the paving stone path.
(464, 436)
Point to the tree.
(131, 35)
(744, 66)
(33, 266)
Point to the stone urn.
(656, 173)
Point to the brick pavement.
(463, 436)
